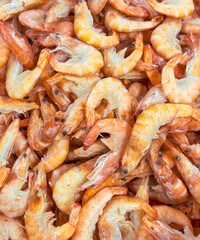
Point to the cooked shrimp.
(18, 44)
(191, 24)
(8, 105)
(11, 229)
(120, 23)
(115, 65)
(184, 90)
(149, 123)
(164, 39)
(39, 222)
(83, 27)
(14, 200)
(20, 145)
(85, 59)
(66, 189)
(173, 8)
(19, 84)
(137, 90)
(117, 96)
(174, 187)
(58, 172)
(106, 164)
(112, 219)
(96, 6)
(189, 172)
(92, 209)
(4, 51)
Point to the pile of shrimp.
(99, 119)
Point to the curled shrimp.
(19, 84)
(151, 120)
(129, 10)
(83, 27)
(106, 164)
(191, 24)
(92, 209)
(184, 90)
(18, 44)
(117, 96)
(8, 105)
(164, 39)
(115, 65)
(137, 90)
(86, 60)
(173, 8)
(113, 216)
(96, 6)
(14, 200)
(39, 222)
(11, 229)
(120, 23)
(66, 189)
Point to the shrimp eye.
(125, 171)
(140, 111)
(159, 162)
(187, 150)
(62, 120)
(152, 228)
(146, 160)
(178, 158)
(44, 100)
(198, 165)
(36, 192)
(123, 179)
(56, 92)
(24, 155)
(36, 172)
(56, 119)
(45, 16)
(179, 38)
(64, 133)
(159, 154)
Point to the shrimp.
(13, 200)
(191, 24)
(137, 90)
(39, 222)
(174, 187)
(18, 85)
(164, 39)
(173, 8)
(96, 6)
(115, 65)
(18, 44)
(112, 219)
(189, 172)
(4, 51)
(92, 209)
(56, 154)
(83, 27)
(11, 229)
(85, 59)
(120, 23)
(184, 90)
(8, 105)
(106, 164)
(149, 123)
(58, 172)
(66, 189)
(129, 10)
(117, 96)
(20, 145)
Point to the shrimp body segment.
(115, 65)
(18, 86)
(4, 52)
(149, 122)
(83, 27)
(173, 8)
(119, 23)
(184, 90)
(117, 96)
(92, 209)
(39, 222)
(114, 213)
(86, 60)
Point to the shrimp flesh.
(115, 65)
(173, 8)
(19, 84)
(137, 90)
(112, 219)
(117, 96)
(4, 51)
(149, 122)
(120, 23)
(106, 164)
(184, 90)
(92, 209)
(66, 189)
(83, 27)
(85, 59)
(14, 200)
(96, 6)
(39, 222)
(11, 229)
